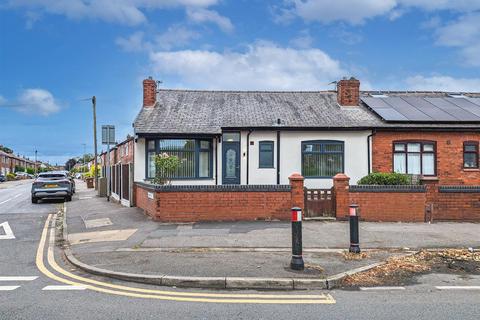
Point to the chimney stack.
(149, 92)
(348, 92)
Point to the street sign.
(108, 134)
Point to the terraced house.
(252, 138)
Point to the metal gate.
(319, 203)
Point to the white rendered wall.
(139, 156)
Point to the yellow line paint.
(157, 294)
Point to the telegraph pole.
(84, 150)
(94, 104)
(36, 162)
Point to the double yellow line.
(109, 288)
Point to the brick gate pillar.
(298, 198)
(341, 183)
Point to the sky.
(56, 54)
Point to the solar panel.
(459, 113)
(429, 109)
(466, 105)
(420, 109)
(409, 111)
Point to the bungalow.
(252, 138)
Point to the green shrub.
(11, 177)
(385, 179)
(30, 171)
(165, 167)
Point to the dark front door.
(231, 162)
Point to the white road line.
(5, 201)
(8, 288)
(8, 231)
(21, 278)
(458, 287)
(67, 287)
(381, 288)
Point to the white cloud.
(356, 12)
(128, 12)
(303, 41)
(201, 15)
(2, 100)
(37, 101)
(352, 11)
(443, 83)
(133, 43)
(175, 36)
(262, 66)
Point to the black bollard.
(297, 258)
(354, 236)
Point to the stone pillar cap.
(341, 176)
(296, 176)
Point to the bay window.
(322, 158)
(414, 157)
(195, 157)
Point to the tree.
(5, 149)
(70, 164)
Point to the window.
(470, 154)
(412, 157)
(265, 150)
(322, 159)
(195, 157)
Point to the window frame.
(266, 142)
(197, 151)
(322, 142)
(471, 143)
(421, 142)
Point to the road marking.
(60, 288)
(8, 231)
(159, 294)
(458, 287)
(5, 201)
(8, 288)
(97, 223)
(381, 288)
(14, 278)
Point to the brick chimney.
(348, 92)
(149, 92)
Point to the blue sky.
(54, 54)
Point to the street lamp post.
(36, 163)
(94, 105)
(84, 151)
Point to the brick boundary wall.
(220, 203)
(415, 203)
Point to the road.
(36, 283)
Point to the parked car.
(52, 184)
(2, 178)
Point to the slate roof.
(207, 112)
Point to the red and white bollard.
(297, 254)
(354, 234)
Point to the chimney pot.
(348, 92)
(149, 92)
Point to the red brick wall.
(449, 154)
(142, 201)
(200, 204)
(222, 206)
(390, 206)
(457, 206)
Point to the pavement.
(37, 283)
(115, 239)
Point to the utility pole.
(36, 162)
(94, 104)
(84, 148)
